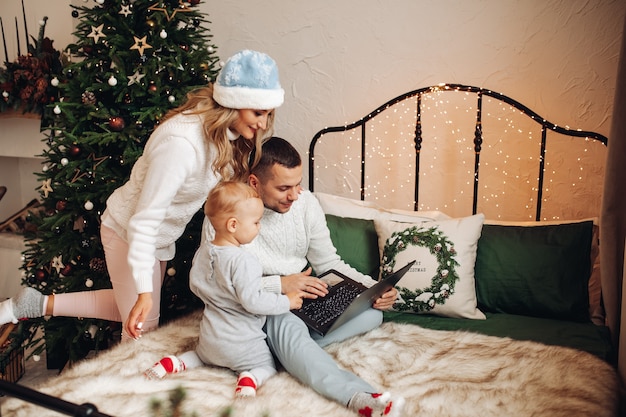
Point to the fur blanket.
(440, 373)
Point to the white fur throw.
(440, 373)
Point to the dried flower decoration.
(26, 83)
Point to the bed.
(465, 342)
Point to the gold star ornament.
(140, 44)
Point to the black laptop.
(345, 300)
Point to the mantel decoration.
(26, 83)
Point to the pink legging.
(115, 304)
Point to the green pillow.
(540, 271)
(356, 242)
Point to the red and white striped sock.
(168, 365)
(246, 385)
(376, 404)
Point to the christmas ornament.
(56, 110)
(96, 33)
(171, 99)
(117, 123)
(150, 23)
(171, 271)
(88, 205)
(140, 44)
(60, 205)
(46, 188)
(79, 224)
(163, 34)
(88, 283)
(40, 274)
(67, 269)
(97, 265)
(54, 82)
(57, 263)
(135, 78)
(112, 81)
(169, 16)
(74, 13)
(125, 10)
(152, 88)
(74, 150)
(64, 161)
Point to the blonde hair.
(224, 197)
(233, 157)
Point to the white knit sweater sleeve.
(169, 163)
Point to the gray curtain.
(613, 217)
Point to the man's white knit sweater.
(287, 241)
(167, 186)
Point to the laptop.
(345, 300)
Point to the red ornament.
(117, 123)
(74, 150)
(61, 204)
(40, 274)
(67, 269)
(152, 88)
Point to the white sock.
(376, 404)
(6, 312)
(28, 303)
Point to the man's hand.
(312, 287)
(387, 300)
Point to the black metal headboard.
(361, 127)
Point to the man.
(294, 240)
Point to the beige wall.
(340, 59)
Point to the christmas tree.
(131, 63)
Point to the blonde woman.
(208, 138)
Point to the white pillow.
(442, 280)
(357, 209)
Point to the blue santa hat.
(249, 80)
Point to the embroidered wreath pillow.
(442, 280)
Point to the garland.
(444, 280)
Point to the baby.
(235, 305)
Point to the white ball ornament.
(36, 358)
(88, 283)
(163, 34)
(210, 49)
(171, 99)
(171, 272)
(5, 94)
(57, 110)
(88, 205)
(54, 82)
(112, 81)
(64, 161)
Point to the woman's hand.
(387, 300)
(312, 287)
(138, 314)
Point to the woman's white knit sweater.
(167, 186)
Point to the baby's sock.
(168, 365)
(246, 385)
(377, 404)
(28, 303)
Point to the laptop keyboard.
(325, 310)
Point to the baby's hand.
(295, 299)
